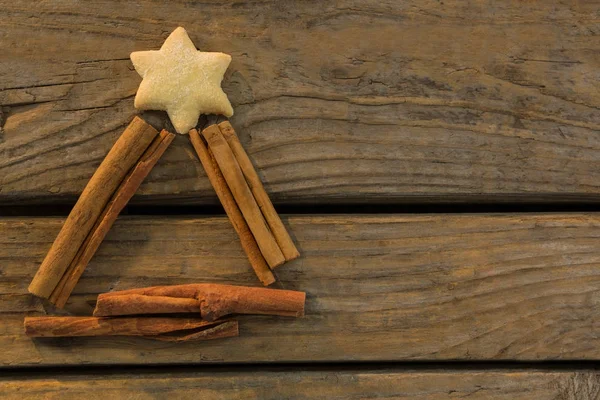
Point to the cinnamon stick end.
(26, 327)
(267, 280)
(59, 300)
(166, 133)
(276, 261)
(301, 304)
(291, 254)
(38, 290)
(140, 124)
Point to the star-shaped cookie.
(182, 81)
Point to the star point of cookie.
(182, 81)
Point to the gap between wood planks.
(322, 209)
(356, 366)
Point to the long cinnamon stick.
(124, 154)
(243, 196)
(169, 329)
(214, 300)
(121, 197)
(231, 209)
(281, 234)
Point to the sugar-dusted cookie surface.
(182, 81)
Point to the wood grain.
(395, 287)
(302, 384)
(350, 101)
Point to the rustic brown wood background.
(351, 105)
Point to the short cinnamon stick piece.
(119, 200)
(168, 329)
(214, 300)
(231, 209)
(120, 159)
(280, 233)
(243, 196)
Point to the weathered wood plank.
(302, 384)
(396, 287)
(353, 101)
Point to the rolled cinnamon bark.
(214, 300)
(169, 329)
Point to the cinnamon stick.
(243, 196)
(140, 304)
(213, 301)
(119, 200)
(257, 261)
(120, 159)
(166, 329)
(280, 233)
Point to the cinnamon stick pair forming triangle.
(263, 236)
(111, 187)
(124, 313)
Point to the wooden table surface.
(358, 115)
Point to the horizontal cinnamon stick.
(279, 231)
(169, 329)
(243, 196)
(249, 245)
(119, 200)
(213, 301)
(120, 159)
